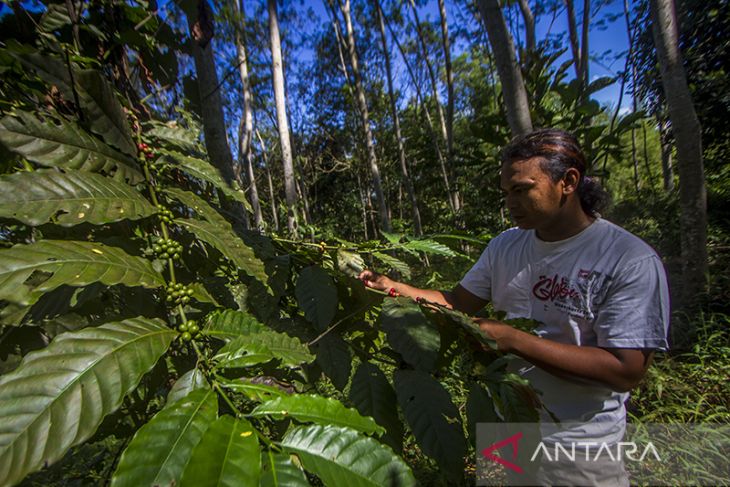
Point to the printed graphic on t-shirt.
(578, 296)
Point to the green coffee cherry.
(186, 337)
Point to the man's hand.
(377, 281)
(621, 369)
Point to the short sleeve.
(635, 313)
(478, 280)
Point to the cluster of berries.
(167, 249)
(165, 214)
(146, 150)
(179, 293)
(188, 330)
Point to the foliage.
(203, 323)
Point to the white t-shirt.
(603, 287)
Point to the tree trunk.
(362, 103)
(396, 123)
(529, 18)
(513, 87)
(277, 72)
(245, 136)
(200, 24)
(687, 136)
(272, 194)
(449, 105)
(666, 147)
(573, 36)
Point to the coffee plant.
(225, 357)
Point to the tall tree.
(513, 86)
(365, 116)
(245, 132)
(277, 71)
(407, 182)
(529, 19)
(200, 23)
(687, 136)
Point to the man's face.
(532, 198)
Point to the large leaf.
(102, 112)
(59, 395)
(350, 263)
(278, 470)
(410, 333)
(442, 315)
(64, 145)
(227, 244)
(171, 133)
(433, 418)
(227, 455)
(479, 409)
(69, 198)
(162, 448)
(256, 390)
(430, 247)
(205, 171)
(191, 380)
(199, 205)
(340, 456)
(229, 324)
(69, 263)
(393, 263)
(317, 296)
(289, 350)
(335, 359)
(308, 408)
(373, 396)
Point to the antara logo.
(588, 451)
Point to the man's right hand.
(377, 281)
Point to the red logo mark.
(551, 288)
(487, 452)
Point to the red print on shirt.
(551, 288)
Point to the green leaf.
(162, 448)
(393, 238)
(190, 381)
(517, 401)
(599, 84)
(349, 263)
(256, 391)
(68, 199)
(628, 120)
(173, 134)
(102, 112)
(229, 324)
(199, 205)
(289, 350)
(433, 418)
(459, 319)
(204, 171)
(479, 409)
(340, 456)
(373, 396)
(65, 146)
(308, 408)
(317, 296)
(335, 359)
(68, 263)
(59, 395)
(278, 470)
(228, 455)
(393, 263)
(243, 352)
(430, 247)
(55, 17)
(227, 244)
(410, 333)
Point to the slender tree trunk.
(245, 136)
(666, 148)
(200, 23)
(687, 136)
(584, 50)
(529, 18)
(513, 86)
(272, 194)
(363, 205)
(418, 230)
(283, 123)
(364, 113)
(449, 105)
(573, 36)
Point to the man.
(599, 292)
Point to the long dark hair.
(558, 151)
